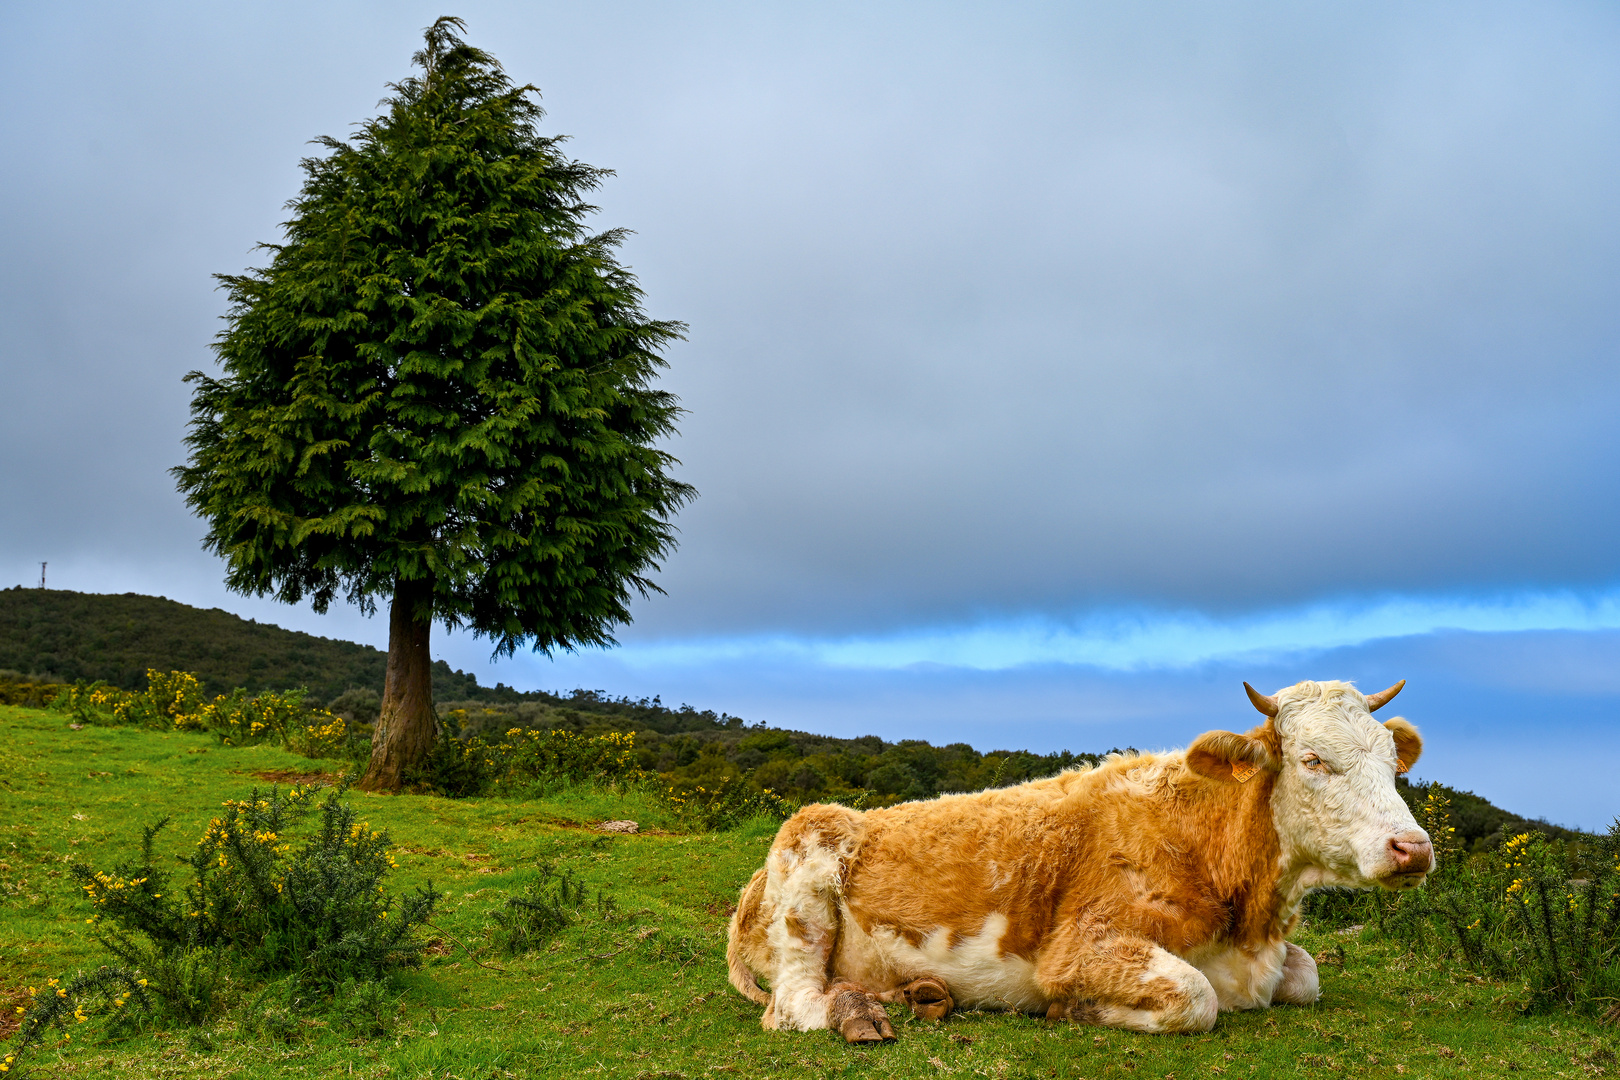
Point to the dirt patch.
(10, 1019)
(291, 776)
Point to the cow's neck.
(1246, 861)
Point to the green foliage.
(1536, 910)
(67, 636)
(530, 919)
(524, 759)
(173, 701)
(264, 900)
(727, 806)
(118, 993)
(443, 377)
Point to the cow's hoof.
(860, 1018)
(929, 999)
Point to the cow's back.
(952, 863)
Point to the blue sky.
(1052, 369)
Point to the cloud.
(1040, 313)
(1146, 640)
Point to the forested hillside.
(62, 635)
(56, 635)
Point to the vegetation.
(174, 701)
(633, 983)
(1538, 910)
(62, 636)
(529, 920)
(700, 754)
(265, 900)
(439, 392)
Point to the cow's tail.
(746, 924)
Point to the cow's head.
(1334, 800)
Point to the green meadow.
(636, 986)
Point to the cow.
(1149, 892)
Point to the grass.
(638, 990)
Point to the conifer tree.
(440, 392)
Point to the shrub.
(524, 758)
(284, 886)
(174, 701)
(171, 700)
(1540, 910)
(335, 738)
(264, 899)
(116, 991)
(547, 905)
(727, 805)
(316, 907)
(17, 689)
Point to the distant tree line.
(55, 635)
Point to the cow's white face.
(1335, 803)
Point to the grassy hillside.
(636, 989)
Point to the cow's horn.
(1267, 705)
(1380, 699)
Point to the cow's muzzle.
(1412, 857)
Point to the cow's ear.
(1408, 743)
(1226, 755)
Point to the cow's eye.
(1311, 761)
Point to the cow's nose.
(1412, 855)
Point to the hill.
(56, 634)
(61, 635)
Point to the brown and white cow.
(1147, 893)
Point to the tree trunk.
(407, 725)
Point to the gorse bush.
(1536, 910)
(16, 689)
(726, 805)
(524, 758)
(1539, 911)
(314, 906)
(115, 992)
(174, 700)
(283, 885)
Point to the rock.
(618, 826)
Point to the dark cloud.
(1182, 306)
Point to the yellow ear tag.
(1400, 766)
(1242, 770)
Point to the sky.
(1052, 369)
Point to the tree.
(440, 392)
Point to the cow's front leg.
(1120, 980)
(1300, 984)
